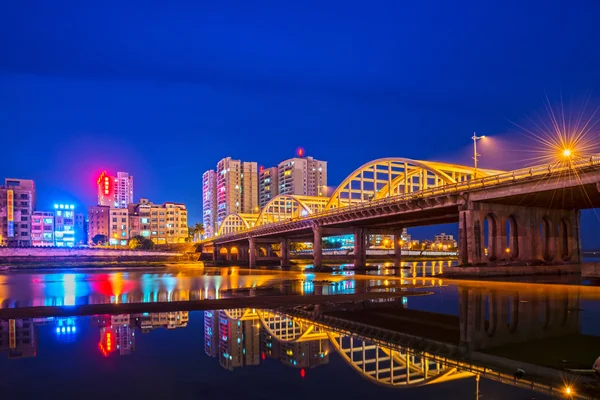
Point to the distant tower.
(209, 202)
(115, 192)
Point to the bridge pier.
(397, 250)
(252, 252)
(285, 252)
(360, 253)
(498, 232)
(317, 246)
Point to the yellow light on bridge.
(566, 153)
(568, 391)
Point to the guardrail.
(492, 180)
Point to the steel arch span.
(235, 222)
(286, 329)
(241, 314)
(287, 207)
(389, 367)
(387, 177)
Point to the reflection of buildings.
(305, 354)
(116, 334)
(238, 339)
(211, 333)
(169, 320)
(17, 337)
(238, 342)
(65, 327)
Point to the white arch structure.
(384, 177)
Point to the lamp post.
(475, 155)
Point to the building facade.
(42, 229)
(98, 222)
(119, 227)
(17, 203)
(115, 191)
(268, 185)
(237, 188)
(209, 202)
(302, 176)
(64, 225)
(444, 241)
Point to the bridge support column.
(518, 233)
(470, 237)
(215, 252)
(251, 252)
(360, 254)
(318, 246)
(285, 252)
(397, 250)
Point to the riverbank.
(100, 265)
(486, 271)
(30, 258)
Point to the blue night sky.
(164, 90)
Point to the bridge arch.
(390, 367)
(235, 222)
(288, 207)
(387, 177)
(286, 329)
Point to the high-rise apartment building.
(237, 188)
(303, 176)
(115, 191)
(268, 185)
(17, 203)
(209, 202)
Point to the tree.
(140, 243)
(195, 231)
(99, 239)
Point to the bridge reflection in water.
(388, 344)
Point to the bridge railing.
(492, 180)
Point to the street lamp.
(475, 155)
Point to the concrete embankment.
(590, 270)
(54, 257)
(485, 271)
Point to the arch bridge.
(522, 215)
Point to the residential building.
(444, 241)
(64, 225)
(119, 227)
(209, 202)
(166, 223)
(17, 203)
(81, 227)
(115, 191)
(42, 229)
(237, 188)
(302, 176)
(268, 185)
(98, 222)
